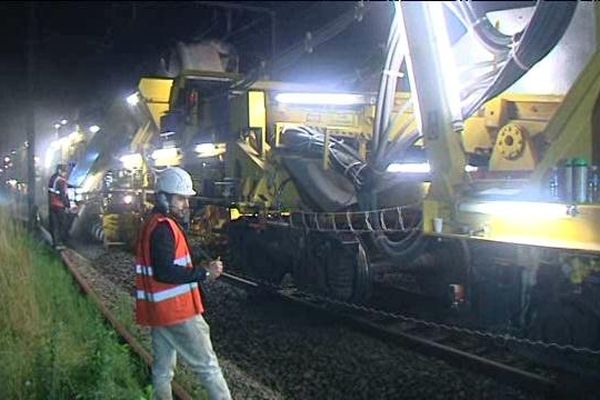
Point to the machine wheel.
(443, 263)
(565, 322)
(257, 253)
(334, 268)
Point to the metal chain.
(502, 338)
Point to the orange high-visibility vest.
(56, 184)
(158, 303)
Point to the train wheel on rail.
(333, 267)
(565, 321)
(444, 262)
(257, 253)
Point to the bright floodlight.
(94, 128)
(57, 126)
(444, 50)
(204, 147)
(7, 159)
(133, 99)
(410, 168)
(206, 150)
(517, 210)
(64, 122)
(165, 154)
(340, 99)
(132, 161)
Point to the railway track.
(479, 353)
(492, 355)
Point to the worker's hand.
(215, 269)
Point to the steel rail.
(505, 373)
(68, 257)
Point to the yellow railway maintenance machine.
(527, 222)
(127, 179)
(477, 187)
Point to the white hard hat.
(175, 180)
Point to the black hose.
(346, 159)
(492, 39)
(387, 91)
(546, 27)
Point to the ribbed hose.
(367, 196)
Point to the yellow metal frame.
(156, 93)
(569, 131)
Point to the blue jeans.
(191, 340)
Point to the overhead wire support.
(30, 120)
(240, 6)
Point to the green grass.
(53, 342)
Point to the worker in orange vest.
(168, 298)
(58, 204)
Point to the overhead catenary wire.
(293, 53)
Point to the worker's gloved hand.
(215, 269)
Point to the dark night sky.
(90, 52)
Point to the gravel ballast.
(271, 350)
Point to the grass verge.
(53, 342)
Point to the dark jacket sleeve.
(162, 254)
(62, 188)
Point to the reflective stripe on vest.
(158, 303)
(55, 194)
(165, 294)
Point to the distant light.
(64, 122)
(94, 128)
(165, 157)
(133, 99)
(340, 99)
(164, 153)
(1, 170)
(128, 199)
(57, 126)
(205, 150)
(51, 149)
(12, 182)
(132, 161)
(7, 159)
(471, 168)
(204, 147)
(36, 159)
(13, 152)
(411, 168)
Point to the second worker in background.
(58, 204)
